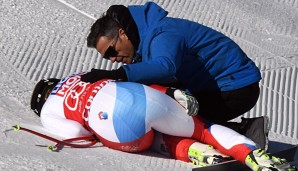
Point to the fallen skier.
(124, 116)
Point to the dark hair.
(116, 17)
(105, 26)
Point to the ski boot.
(205, 155)
(258, 160)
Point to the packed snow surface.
(47, 38)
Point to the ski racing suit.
(124, 116)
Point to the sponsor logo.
(91, 97)
(103, 115)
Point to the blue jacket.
(195, 55)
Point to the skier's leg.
(240, 147)
(187, 149)
(167, 116)
(172, 146)
(225, 140)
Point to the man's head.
(115, 35)
(41, 92)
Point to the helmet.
(41, 92)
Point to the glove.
(187, 101)
(98, 74)
(95, 75)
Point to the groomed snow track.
(48, 39)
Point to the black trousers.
(220, 107)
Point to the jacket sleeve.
(63, 127)
(160, 60)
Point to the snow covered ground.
(46, 38)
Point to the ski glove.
(98, 74)
(187, 101)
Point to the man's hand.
(187, 101)
(98, 74)
(95, 75)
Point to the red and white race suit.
(124, 115)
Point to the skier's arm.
(63, 127)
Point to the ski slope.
(42, 39)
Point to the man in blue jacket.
(162, 50)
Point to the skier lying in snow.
(124, 116)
